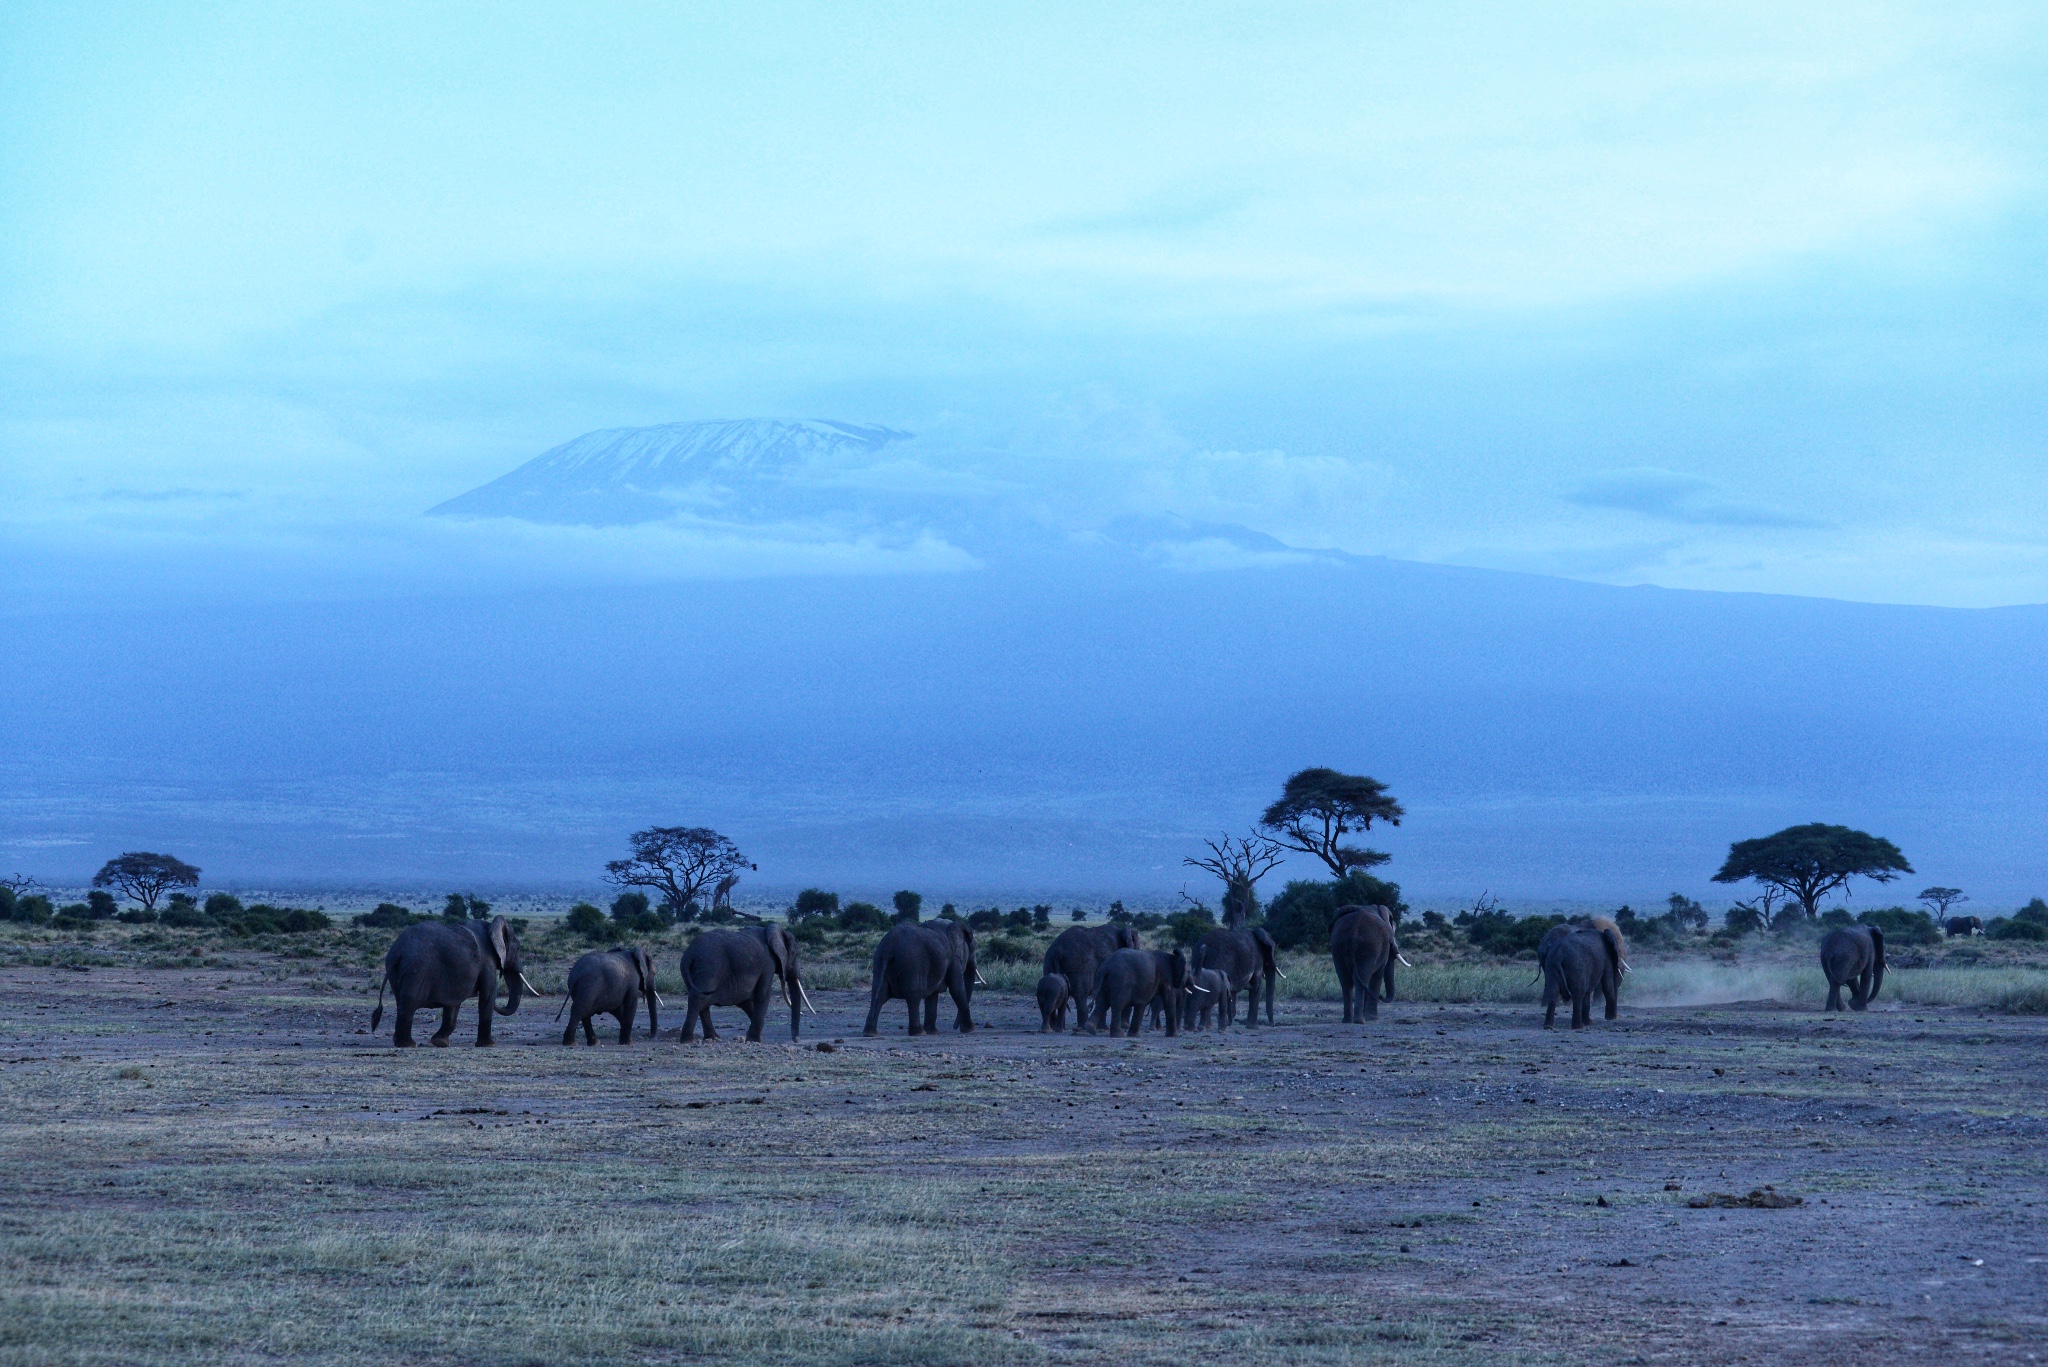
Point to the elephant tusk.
(1282, 975)
(1203, 990)
(1403, 958)
(530, 987)
(657, 998)
(979, 979)
(1624, 966)
(806, 996)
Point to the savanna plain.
(209, 1158)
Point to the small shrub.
(1743, 919)
(586, 920)
(863, 916)
(1186, 928)
(1006, 949)
(633, 916)
(2034, 912)
(1078, 916)
(136, 916)
(810, 933)
(908, 904)
(986, 919)
(103, 906)
(387, 916)
(74, 914)
(1020, 919)
(1147, 920)
(948, 913)
(188, 917)
(222, 905)
(1835, 916)
(1041, 917)
(268, 920)
(1433, 920)
(1117, 915)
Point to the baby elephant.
(1052, 1002)
(611, 983)
(1853, 957)
(1208, 995)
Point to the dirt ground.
(224, 1166)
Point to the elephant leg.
(1344, 971)
(914, 1010)
(626, 1014)
(1251, 1003)
(1859, 991)
(1172, 1019)
(1369, 998)
(569, 1031)
(1612, 992)
(1549, 1003)
(690, 1010)
(1834, 996)
(1116, 1022)
(486, 995)
(439, 1039)
(401, 1026)
(757, 1011)
(710, 1030)
(931, 1014)
(876, 996)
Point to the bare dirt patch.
(218, 1166)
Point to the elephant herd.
(1103, 973)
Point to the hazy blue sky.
(1724, 296)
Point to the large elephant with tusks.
(1078, 954)
(915, 962)
(444, 964)
(1244, 958)
(743, 968)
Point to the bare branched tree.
(1239, 862)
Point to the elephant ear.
(1179, 963)
(495, 940)
(778, 954)
(1267, 948)
(645, 962)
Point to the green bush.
(1496, 932)
(1006, 949)
(74, 914)
(220, 905)
(1903, 927)
(2013, 928)
(810, 933)
(814, 902)
(986, 919)
(908, 904)
(633, 915)
(136, 916)
(1186, 928)
(863, 916)
(185, 916)
(587, 921)
(268, 920)
(388, 916)
(102, 904)
(2034, 912)
(1300, 917)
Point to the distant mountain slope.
(1064, 724)
(624, 475)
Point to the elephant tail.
(565, 1004)
(377, 1016)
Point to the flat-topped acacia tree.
(1809, 862)
(678, 861)
(143, 877)
(1319, 807)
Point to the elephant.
(1133, 979)
(1853, 956)
(444, 964)
(611, 982)
(1077, 955)
(1052, 1003)
(1963, 925)
(1578, 959)
(915, 962)
(1363, 943)
(1208, 996)
(742, 968)
(1242, 957)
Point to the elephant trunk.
(515, 990)
(653, 1012)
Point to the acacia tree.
(1319, 807)
(1809, 862)
(144, 877)
(1941, 899)
(677, 861)
(1240, 864)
